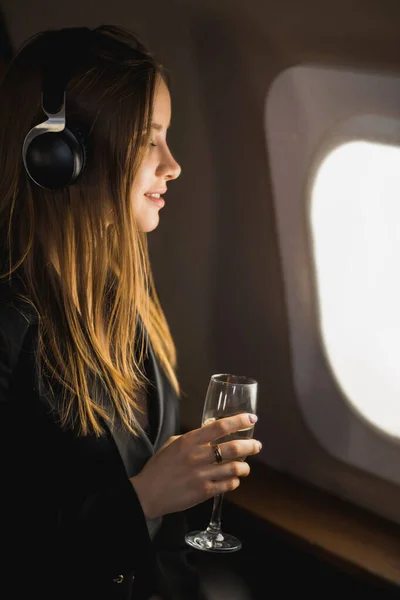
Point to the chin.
(150, 224)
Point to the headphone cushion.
(54, 160)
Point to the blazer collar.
(156, 401)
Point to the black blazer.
(71, 523)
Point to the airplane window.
(333, 142)
(354, 221)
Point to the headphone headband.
(67, 50)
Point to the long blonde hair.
(95, 309)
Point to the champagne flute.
(227, 395)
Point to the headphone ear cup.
(54, 160)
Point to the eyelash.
(153, 145)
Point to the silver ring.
(217, 452)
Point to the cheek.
(145, 173)
(146, 215)
(135, 197)
(139, 187)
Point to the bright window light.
(355, 224)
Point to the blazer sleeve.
(99, 535)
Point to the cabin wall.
(215, 254)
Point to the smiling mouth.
(156, 199)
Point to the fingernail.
(253, 418)
(260, 445)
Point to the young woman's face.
(158, 166)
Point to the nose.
(169, 168)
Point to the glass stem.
(215, 521)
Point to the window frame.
(309, 111)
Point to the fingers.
(221, 487)
(222, 478)
(236, 449)
(229, 485)
(221, 428)
(232, 450)
(226, 471)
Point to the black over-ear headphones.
(54, 152)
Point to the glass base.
(213, 542)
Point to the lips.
(155, 197)
(157, 193)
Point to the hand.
(184, 473)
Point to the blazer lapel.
(156, 400)
(143, 447)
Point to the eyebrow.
(158, 127)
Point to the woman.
(95, 476)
